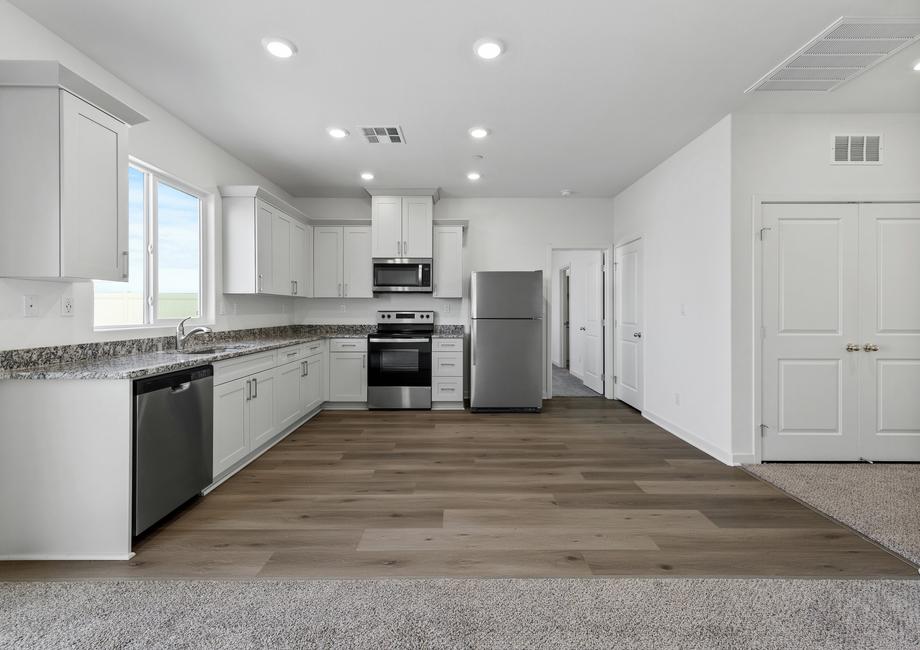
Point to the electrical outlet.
(284, 308)
(683, 309)
(342, 306)
(66, 305)
(677, 399)
(447, 307)
(234, 308)
(30, 306)
(222, 307)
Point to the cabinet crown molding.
(259, 192)
(51, 74)
(433, 192)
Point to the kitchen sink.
(209, 350)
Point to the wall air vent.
(383, 134)
(843, 51)
(856, 150)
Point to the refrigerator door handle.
(473, 341)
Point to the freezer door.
(506, 294)
(506, 364)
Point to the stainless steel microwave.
(402, 274)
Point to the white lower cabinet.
(447, 362)
(262, 409)
(231, 424)
(348, 377)
(313, 383)
(288, 404)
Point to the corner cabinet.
(267, 244)
(342, 263)
(63, 175)
(401, 226)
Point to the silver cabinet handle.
(405, 247)
(363, 360)
(291, 354)
(248, 389)
(306, 365)
(398, 248)
(255, 388)
(340, 288)
(448, 364)
(870, 347)
(852, 347)
(296, 287)
(448, 390)
(346, 288)
(349, 345)
(259, 286)
(637, 335)
(125, 260)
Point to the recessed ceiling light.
(917, 66)
(279, 47)
(367, 176)
(474, 176)
(336, 132)
(479, 132)
(488, 48)
(566, 193)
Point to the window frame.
(152, 177)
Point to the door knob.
(852, 347)
(637, 335)
(870, 347)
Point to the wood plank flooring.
(587, 488)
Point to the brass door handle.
(852, 347)
(870, 347)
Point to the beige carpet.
(881, 500)
(653, 614)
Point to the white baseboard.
(745, 459)
(65, 556)
(718, 453)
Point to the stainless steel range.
(399, 360)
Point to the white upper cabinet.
(417, 212)
(266, 248)
(63, 175)
(386, 226)
(327, 261)
(401, 226)
(357, 264)
(448, 262)
(342, 264)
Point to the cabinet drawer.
(447, 345)
(348, 345)
(316, 347)
(447, 389)
(231, 369)
(286, 355)
(447, 364)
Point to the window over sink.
(166, 253)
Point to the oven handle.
(399, 340)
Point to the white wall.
(504, 234)
(164, 142)
(682, 211)
(788, 155)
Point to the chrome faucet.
(182, 337)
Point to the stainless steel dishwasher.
(173, 441)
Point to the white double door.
(841, 331)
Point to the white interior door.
(810, 351)
(628, 323)
(889, 318)
(593, 339)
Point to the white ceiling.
(589, 96)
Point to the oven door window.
(399, 364)
(396, 275)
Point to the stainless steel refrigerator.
(507, 341)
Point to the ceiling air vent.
(857, 150)
(383, 134)
(844, 50)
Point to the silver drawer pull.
(291, 354)
(448, 390)
(448, 364)
(255, 388)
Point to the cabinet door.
(448, 262)
(231, 424)
(298, 258)
(288, 405)
(306, 289)
(358, 264)
(386, 226)
(348, 377)
(265, 217)
(94, 193)
(262, 409)
(312, 393)
(416, 226)
(327, 261)
(281, 255)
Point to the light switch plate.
(30, 306)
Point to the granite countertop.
(156, 362)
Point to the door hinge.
(763, 430)
(763, 230)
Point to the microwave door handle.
(420, 275)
